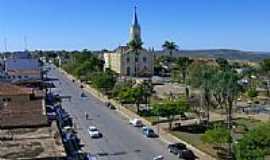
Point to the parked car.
(136, 122)
(159, 157)
(149, 132)
(94, 132)
(187, 155)
(176, 148)
(181, 151)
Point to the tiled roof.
(9, 89)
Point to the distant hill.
(224, 53)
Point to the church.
(127, 61)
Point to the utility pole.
(5, 44)
(25, 42)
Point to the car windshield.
(93, 129)
(180, 146)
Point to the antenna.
(5, 44)
(25, 42)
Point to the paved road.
(120, 140)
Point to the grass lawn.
(195, 140)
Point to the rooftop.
(7, 89)
(22, 64)
(31, 143)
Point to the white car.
(94, 132)
(136, 122)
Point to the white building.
(128, 62)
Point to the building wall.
(123, 63)
(113, 61)
(21, 111)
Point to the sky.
(104, 24)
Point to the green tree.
(202, 76)
(223, 63)
(132, 95)
(254, 145)
(170, 46)
(121, 86)
(217, 136)
(264, 69)
(227, 89)
(103, 81)
(183, 64)
(170, 109)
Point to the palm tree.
(170, 46)
(135, 45)
(182, 64)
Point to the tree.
(183, 64)
(135, 45)
(121, 86)
(254, 145)
(265, 65)
(217, 136)
(132, 95)
(202, 76)
(170, 46)
(103, 80)
(223, 63)
(265, 70)
(170, 109)
(226, 89)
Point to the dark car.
(176, 148)
(148, 132)
(187, 154)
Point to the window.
(25, 76)
(144, 59)
(127, 59)
(8, 99)
(136, 59)
(19, 77)
(128, 71)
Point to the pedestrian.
(86, 116)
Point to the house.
(23, 69)
(21, 107)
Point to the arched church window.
(128, 71)
(144, 59)
(136, 59)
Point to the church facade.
(129, 62)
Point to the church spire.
(135, 19)
(135, 29)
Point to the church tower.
(135, 29)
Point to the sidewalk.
(164, 136)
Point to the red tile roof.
(7, 89)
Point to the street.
(120, 141)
